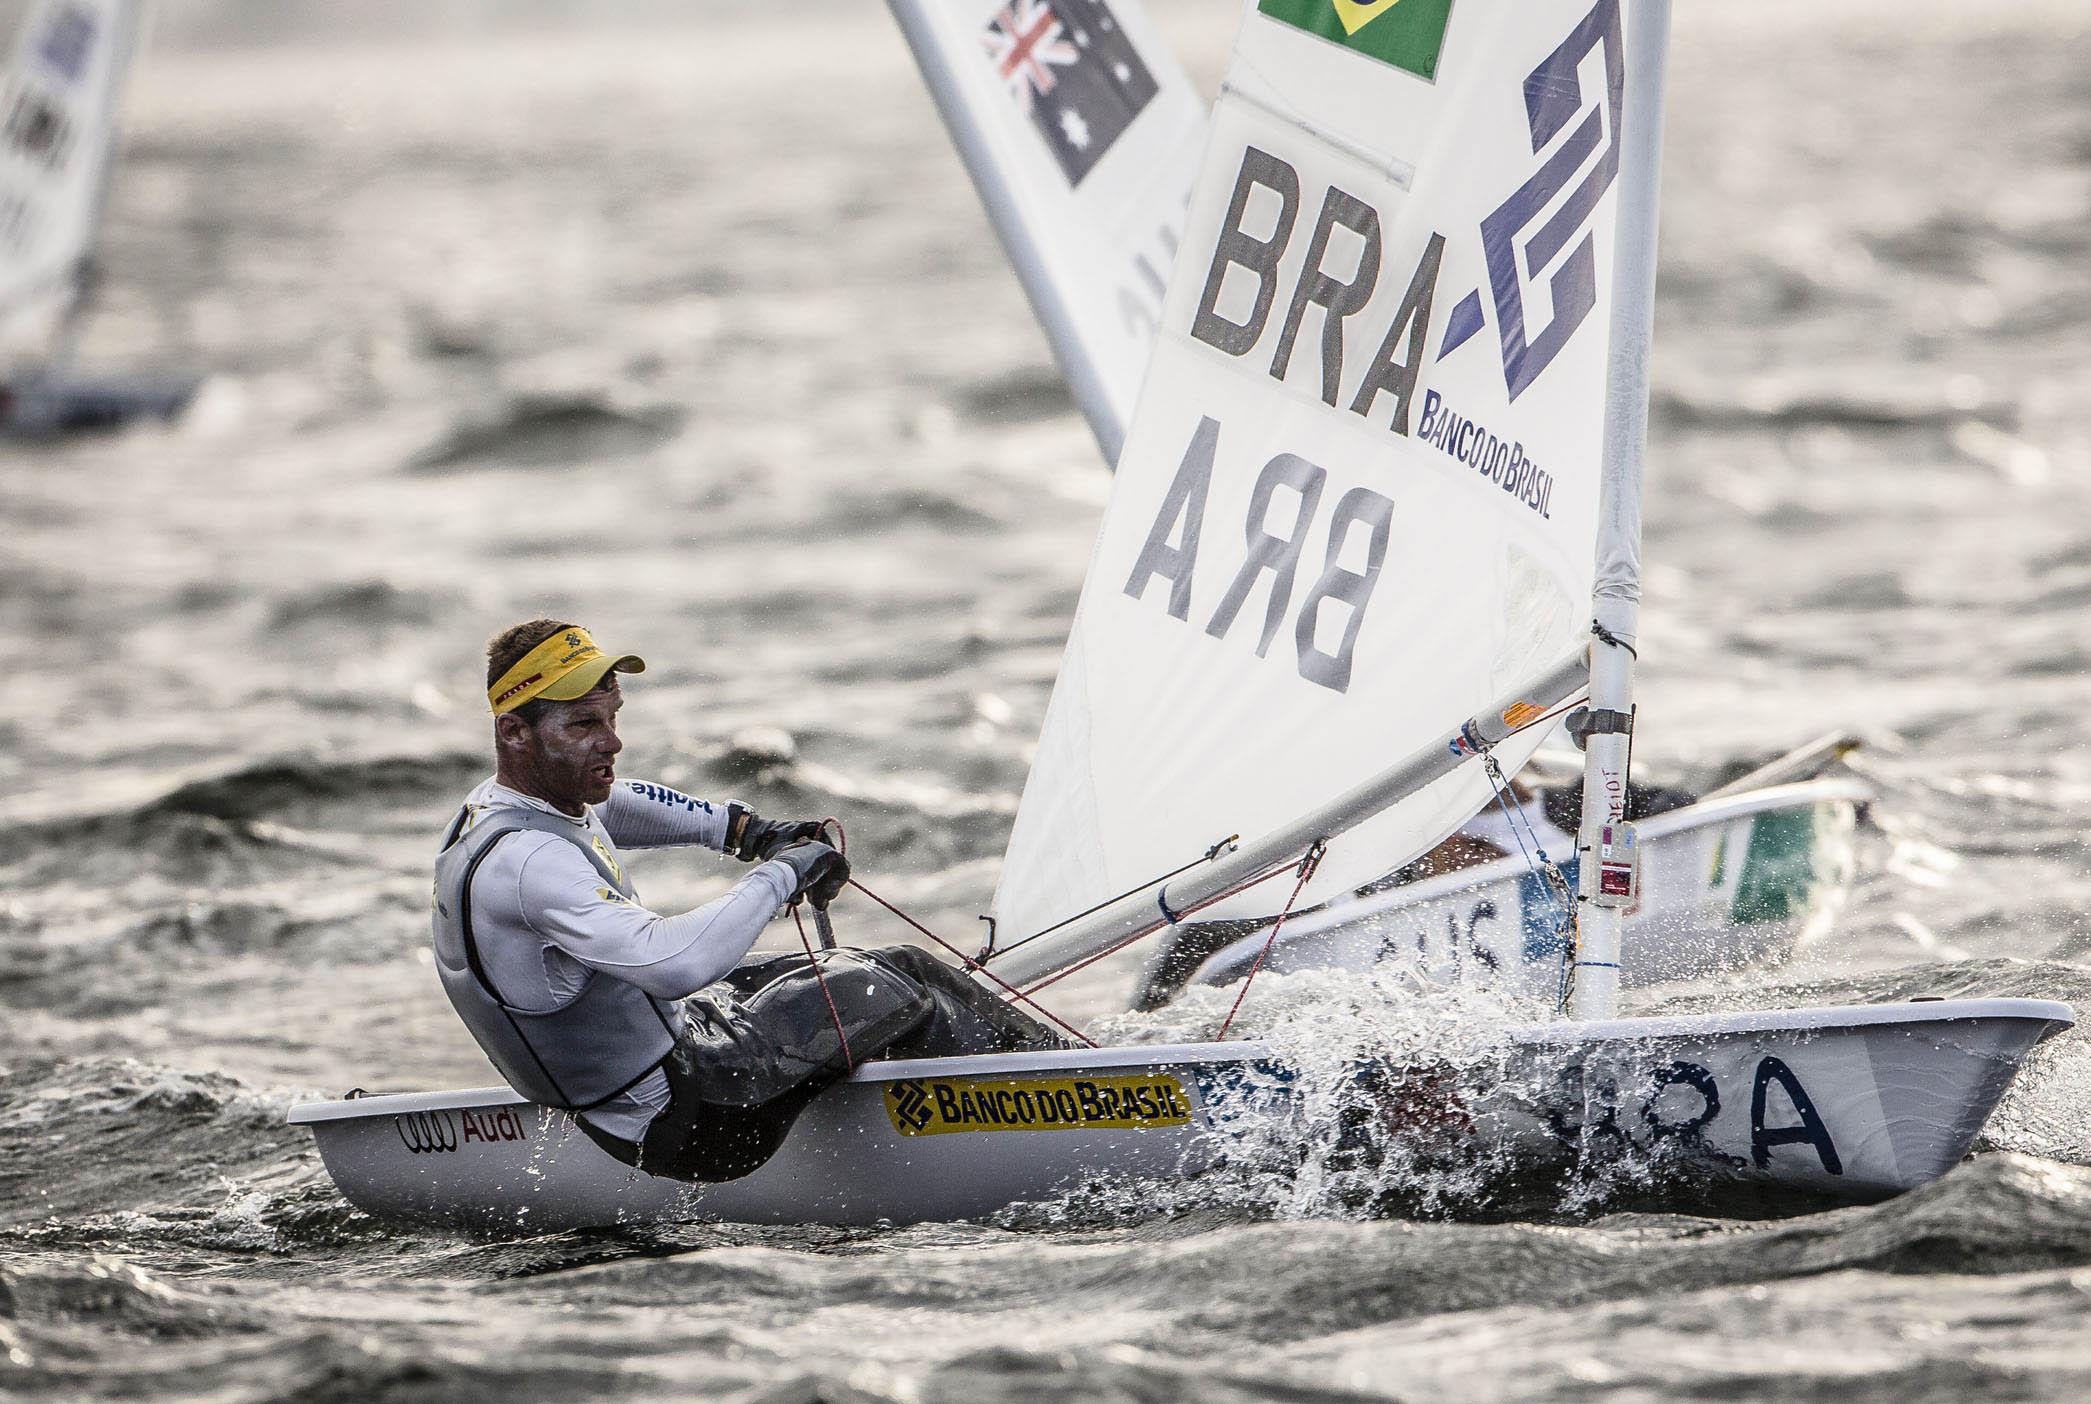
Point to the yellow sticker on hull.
(939, 1106)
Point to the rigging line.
(1546, 869)
(1515, 817)
(1577, 699)
(1175, 918)
(1626, 781)
(1009, 992)
(1211, 853)
(820, 978)
(1604, 635)
(1307, 866)
(1513, 813)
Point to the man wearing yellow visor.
(675, 1054)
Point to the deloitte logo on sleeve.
(1409, 34)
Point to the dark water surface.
(695, 333)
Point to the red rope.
(1009, 991)
(1307, 866)
(821, 979)
(1106, 954)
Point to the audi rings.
(426, 1132)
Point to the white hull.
(1727, 884)
(1858, 1102)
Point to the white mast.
(1616, 598)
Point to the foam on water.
(1363, 1109)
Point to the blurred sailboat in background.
(58, 125)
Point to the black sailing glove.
(821, 871)
(754, 839)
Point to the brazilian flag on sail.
(1408, 34)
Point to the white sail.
(57, 128)
(1359, 499)
(1082, 135)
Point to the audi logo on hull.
(427, 1132)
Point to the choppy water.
(695, 333)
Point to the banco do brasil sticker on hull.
(940, 1106)
(1409, 34)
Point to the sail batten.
(1359, 498)
(1397, 172)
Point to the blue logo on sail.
(1536, 229)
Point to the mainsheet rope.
(1307, 866)
(1010, 993)
(819, 978)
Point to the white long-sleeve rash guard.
(544, 918)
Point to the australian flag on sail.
(1071, 68)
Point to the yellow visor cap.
(565, 666)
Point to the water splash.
(1365, 1106)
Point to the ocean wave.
(1965, 979)
(913, 821)
(1780, 406)
(859, 510)
(282, 788)
(50, 1300)
(87, 1139)
(277, 788)
(223, 927)
(256, 822)
(192, 849)
(547, 430)
(1267, 1293)
(1020, 396)
(363, 603)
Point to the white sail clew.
(58, 102)
(1359, 500)
(1082, 135)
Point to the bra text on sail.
(1267, 194)
(1288, 485)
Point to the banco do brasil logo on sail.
(1409, 34)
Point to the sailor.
(674, 1054)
